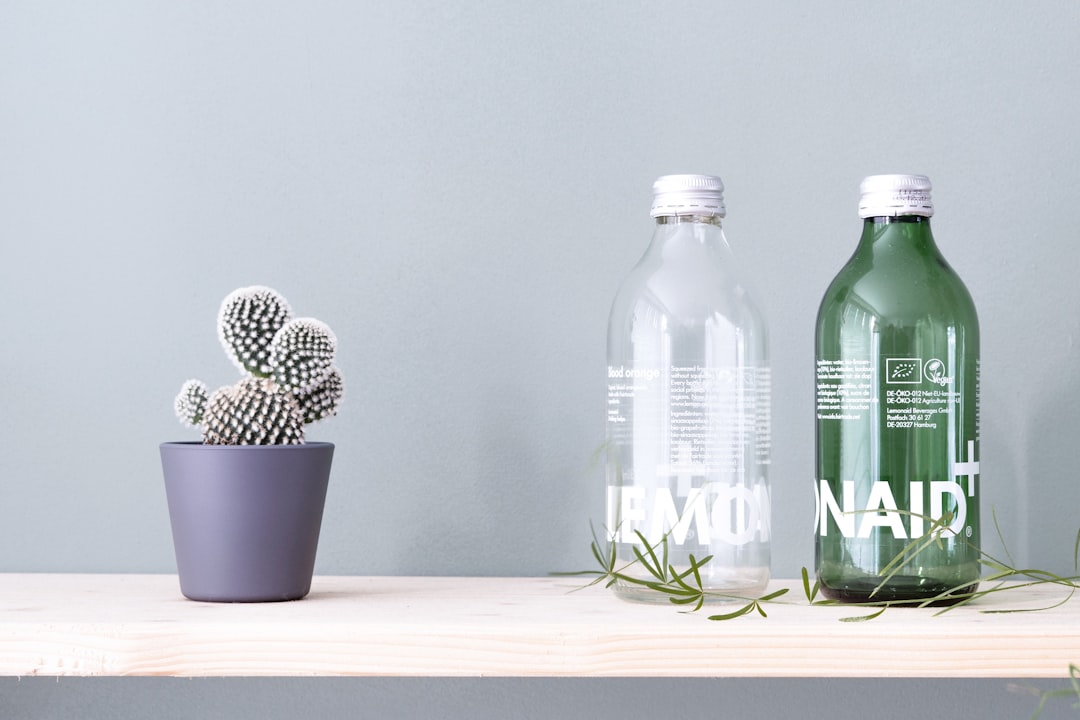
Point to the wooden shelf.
(449, 626)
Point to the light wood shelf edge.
(113, 625)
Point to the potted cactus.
(246, 503)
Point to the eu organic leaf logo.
(903, 370)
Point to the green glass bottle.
(897, 399)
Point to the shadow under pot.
(246, 518)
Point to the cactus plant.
(290, 379)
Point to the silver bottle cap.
(688, 195)
(892, 195)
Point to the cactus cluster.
(289, 380)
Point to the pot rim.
(198, 445)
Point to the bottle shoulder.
(899, 292)
(686, 294)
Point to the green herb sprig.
(1073, 691)
(1004, 576)
(685, 589)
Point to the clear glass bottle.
(897, 396)
(688, 423)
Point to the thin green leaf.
(673, 590)
(656, 568)
(694, 566)
(996, 566)
(997, 529)
(1041, 705)
(732, 615)
(645, 563)
(577, 573)
(678, 580)
(1044, 695)
(1076, 553)
(599, 557)
(664, 549)
(606, 560)
(697, 602)
(913, 548)
(1026, 610)
(622, 577)
(601, 450)
(773, 595)
(864, 618)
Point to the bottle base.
(904, 591)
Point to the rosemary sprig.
(681, 587)
(604, 557)
(1001, 572)
(1073, 691)
(684, 588)
(754, 604)
(914, 547)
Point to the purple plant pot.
(246, 518)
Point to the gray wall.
(457, 189)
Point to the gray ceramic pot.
(246, 518)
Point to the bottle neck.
(689, 236)
(903, 233)
(683, 219)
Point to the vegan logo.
(934, 370)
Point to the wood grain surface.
(453, 626)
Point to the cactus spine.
(290, 379)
